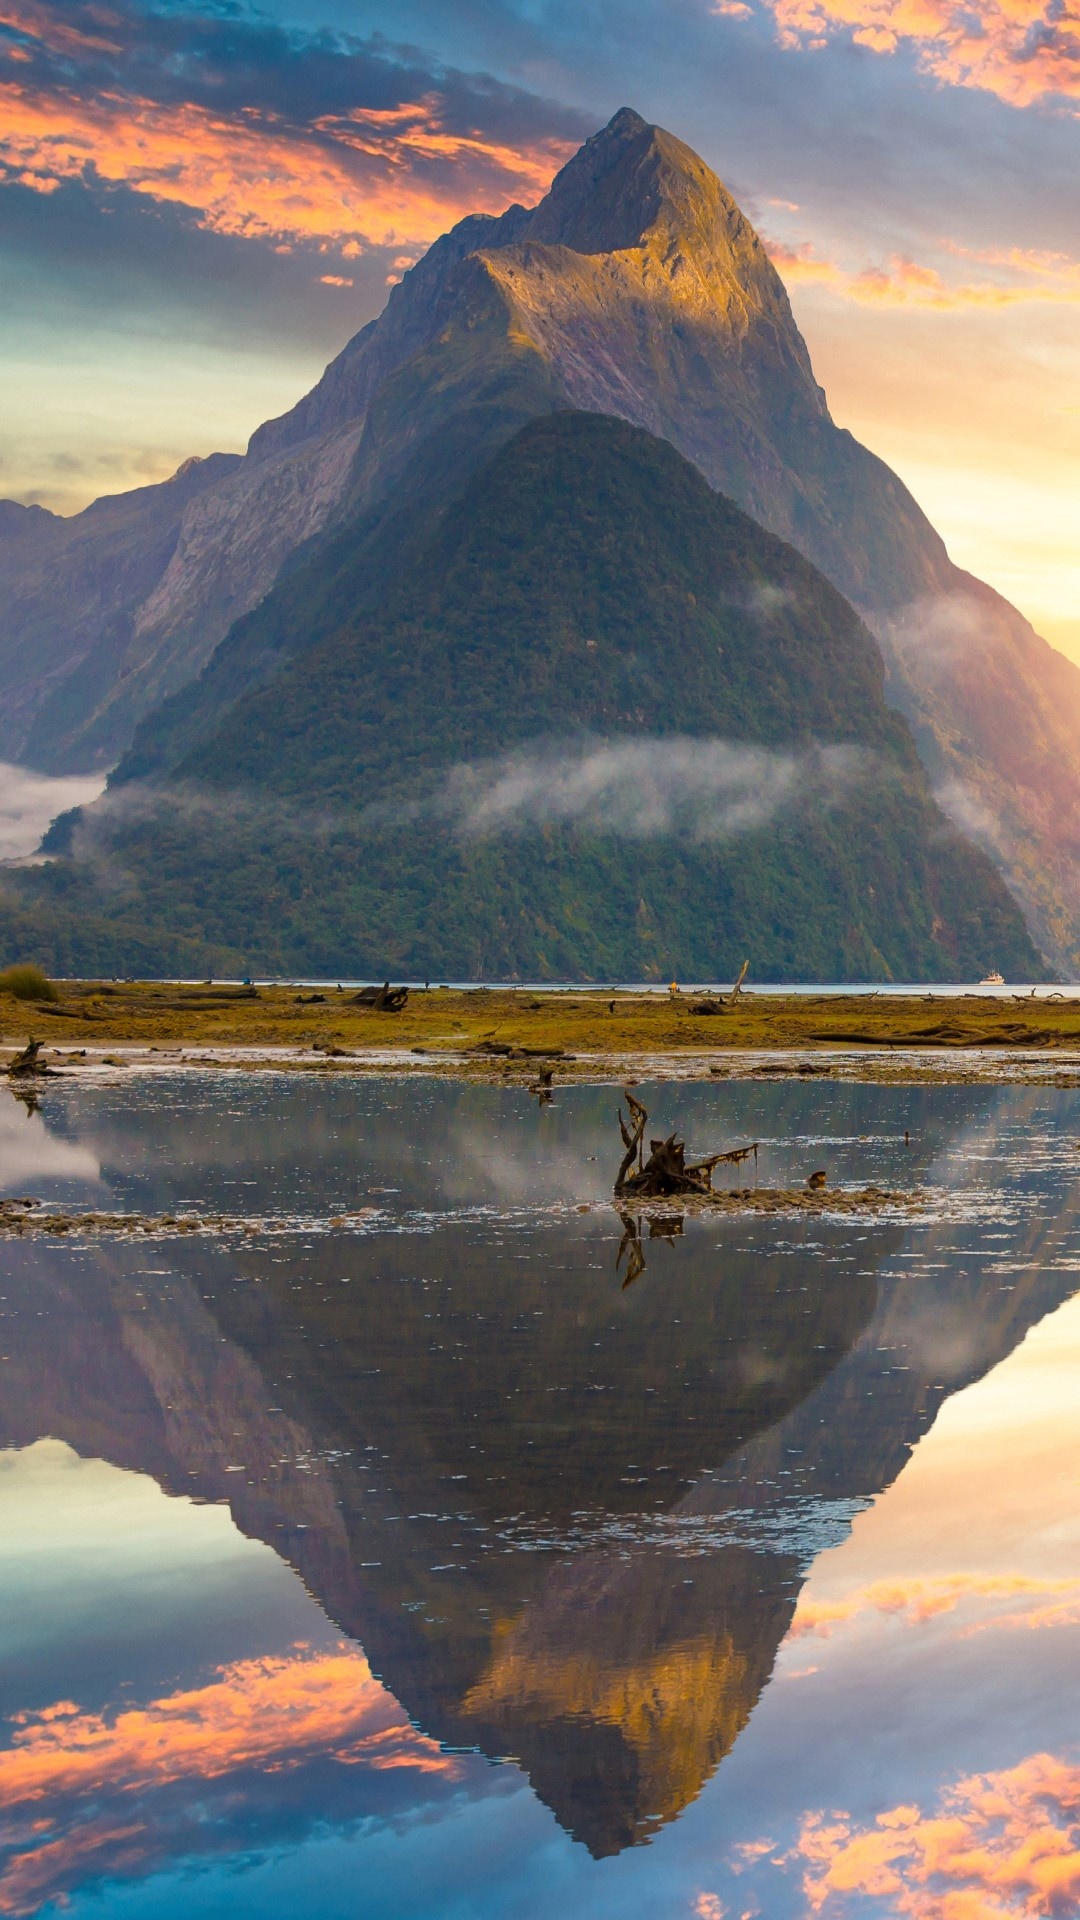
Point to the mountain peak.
(605, 198)
(634, 182)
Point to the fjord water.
(424, 1568)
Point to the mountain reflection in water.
(566, 1522)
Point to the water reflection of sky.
(191, 1723)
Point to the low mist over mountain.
(636, 289)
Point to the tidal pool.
(429, 1569)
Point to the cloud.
(1001, 1846)
(700, 789)
(31, 1152)
(357, 176)
(254, 1713)
(271, 1714)
(942, 631)
(28, 801)
(969, 810)
(1025, 277)
(1027, 52)
(1054, 1602)
(265, 133)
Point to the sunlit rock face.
(636, 288)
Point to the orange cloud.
(1001, 1846)
(270, 1714)
(391, 178)
(31, 1879)
(42, 23)
(916, 1601)
(266, 1713)
(1031, 277)
(1027, 52)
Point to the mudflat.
(575, 1034)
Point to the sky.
(200, 203)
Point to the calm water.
(427, 1570)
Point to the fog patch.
(935, 634)
(694, 789)
(968, 810)
(766, 600)
(30, 801)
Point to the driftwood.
(662, 1226)
(384, 999)
(667, 1175)
(542, 1086)
(28, 1062)
(737, 988)
(666, 1172)
(711, 1005)
(508, 1050)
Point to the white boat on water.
(993, 979)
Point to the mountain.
(72, 593)
(637, 289)
(602, 725)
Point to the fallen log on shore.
(384, 999)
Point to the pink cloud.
(1000, 1846)
(1054, 1602)
(372, 176)
(1027, 52)
(1024, 278)
(270, 1714)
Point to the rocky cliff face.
(636, 288)
(71, 592)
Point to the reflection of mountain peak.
(633, 1682)
(450, 1414)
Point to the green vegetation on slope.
(587, 595)
(588, 581)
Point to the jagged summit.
(605, 198)
(657, 227)
(632, 181)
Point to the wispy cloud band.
(698, 789)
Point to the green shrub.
(27, 983)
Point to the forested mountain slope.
(602, 724)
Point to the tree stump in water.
(27, 1062)
(666, 1172)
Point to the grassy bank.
(148, 1014)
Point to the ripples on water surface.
(427, 1571)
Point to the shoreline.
(95, 1029)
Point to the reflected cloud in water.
(703, 1558)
